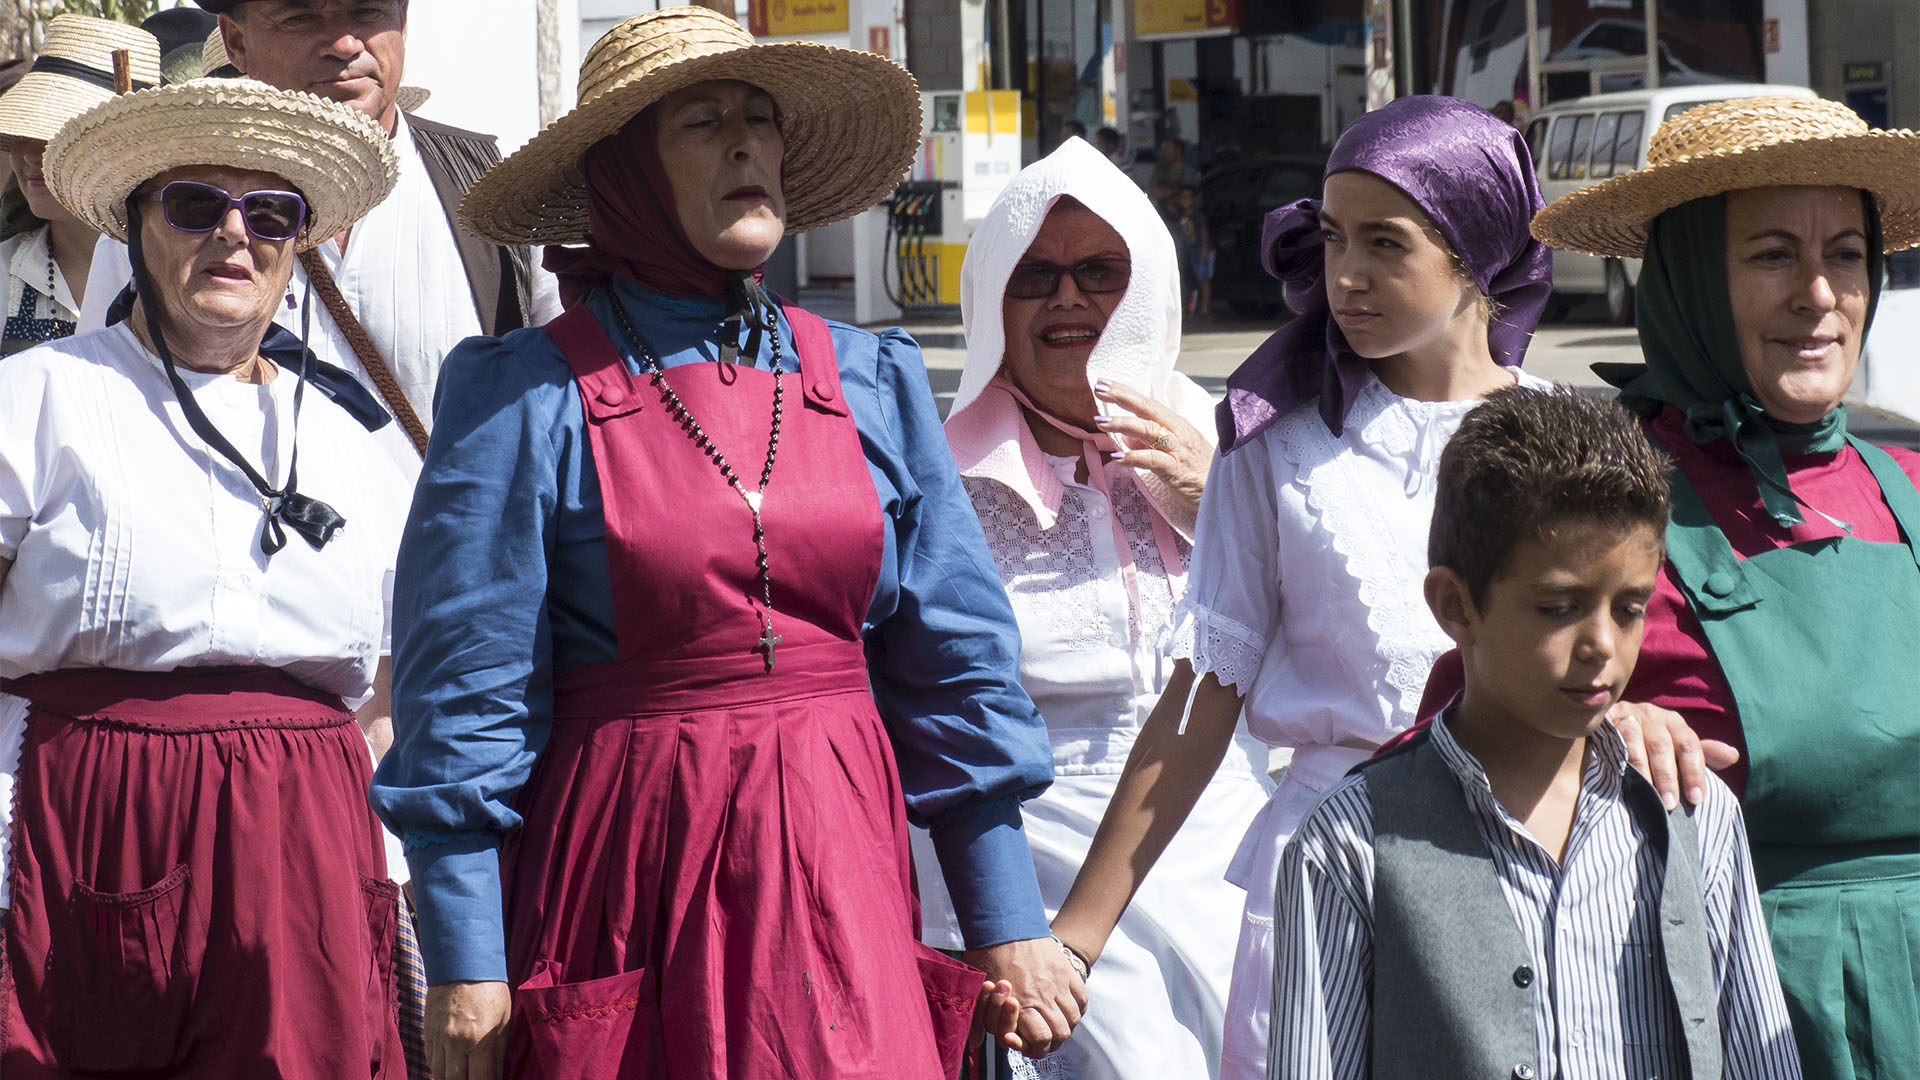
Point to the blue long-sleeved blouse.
(503, 580)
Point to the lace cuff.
(1213, 643)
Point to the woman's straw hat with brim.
(336, 157)
(1737, 144)
(73, 73)
(850, 121)
(213, 57)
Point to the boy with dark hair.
(1502, 896)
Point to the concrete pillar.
(558, 49)
(1791, 65)
(870, 303)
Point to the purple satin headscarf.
(1473, 177)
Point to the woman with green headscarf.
(1787, 622)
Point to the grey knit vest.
(1453, 985)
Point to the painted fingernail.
(1117, 454)
(1103, 420)
(1102, 385)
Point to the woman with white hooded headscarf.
(1085, 453)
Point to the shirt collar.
(30, 258)
(1606, 760)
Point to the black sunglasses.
(196, 207)
(1038, 280)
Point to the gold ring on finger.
(1161, 442)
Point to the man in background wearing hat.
(408, 282)
(181, 32)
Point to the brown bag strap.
(363, 348)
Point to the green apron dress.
(1820, 642)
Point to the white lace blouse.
(1305, 590)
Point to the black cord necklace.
(657, 372)
(285, 507)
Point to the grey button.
(1523, 976)
(1523, 1072)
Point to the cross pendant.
(768, 639)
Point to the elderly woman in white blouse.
(1085, 454)
(196, 547)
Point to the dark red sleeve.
(1677, 671)
(1448, 677)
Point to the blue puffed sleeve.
(472, 680)
(943, 650)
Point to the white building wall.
(479, 57)
(481, 60)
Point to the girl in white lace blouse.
(1071, 299)
(1418, 287)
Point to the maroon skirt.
(719, 887)
(199, 887)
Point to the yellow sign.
(778, 18)
(993, 112)
(1184, 18)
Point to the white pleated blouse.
(137, 547)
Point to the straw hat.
(336, 157)
(1737, 144)
(73, 73)
(851, 123)
(213, 57)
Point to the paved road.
(1563, 352)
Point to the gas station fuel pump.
(969, 152)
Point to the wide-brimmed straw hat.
(1737, 144)
(214, 58)
(73, 73)
(340, 160)
(850, 121)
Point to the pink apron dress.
(199, 886)
(713, 878)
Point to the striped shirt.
(1602, 1005)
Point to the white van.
(1586, 140)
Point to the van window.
(1285, 183)
(1626, 144)
(1537, 140)
(1603, 133)
(1558, 147)
(1679, 107)
(1577, 153)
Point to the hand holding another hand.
(1047, 999)
(467, 1030)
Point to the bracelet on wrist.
(1080, 963)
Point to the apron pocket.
(584, 1030)
(123, 955)
(953, 989)
(382, 900)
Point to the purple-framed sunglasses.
(195, 207)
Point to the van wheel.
(1619, 294)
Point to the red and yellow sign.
(1184, 18)
(778, 18)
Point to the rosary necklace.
(657, 372)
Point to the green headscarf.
(1684, 313)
